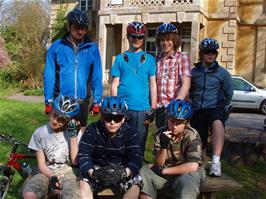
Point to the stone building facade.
(238, 25)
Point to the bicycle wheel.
(4, 186)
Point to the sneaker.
(215, 169)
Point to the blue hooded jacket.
(67, 71)
(210, 87)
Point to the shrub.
(8, 77)
(34, 92)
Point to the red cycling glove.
(95, 109)
(48, 108)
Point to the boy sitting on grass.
(177, 170)
(55, 146)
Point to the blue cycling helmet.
(208, 44)
(77, 16)
(179, 109)
(113, 105)
(65, 106)
(166, 28)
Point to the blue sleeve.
(152, 70)
(86, 147)
(228, 88)
(49, 73)
(97, 86)
(134, 156)
(115, 70)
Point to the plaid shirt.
(169, 73)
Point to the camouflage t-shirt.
(187, 149)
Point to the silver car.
(247, 95)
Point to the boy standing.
(134, 80)
(56, 151)
(211, 93)
(177, 169)
(172, 72)
(109, 154)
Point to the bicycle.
(7, 170)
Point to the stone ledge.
(244, 146)
(230, 3)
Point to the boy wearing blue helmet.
(56, 150)
(211, 93)
(109, 153)
(178, 167)
(172, 70)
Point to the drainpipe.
(255, 56)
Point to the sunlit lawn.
(20, 119)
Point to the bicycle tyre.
(4, 186)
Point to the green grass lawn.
(20, 119)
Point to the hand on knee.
(30, 195)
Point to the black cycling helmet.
(208, 44)
(113, 105)
(77, 16)
(66, 107)
(179, 110)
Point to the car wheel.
(263, 107)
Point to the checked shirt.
(169, 73)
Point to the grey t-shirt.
(54, 145)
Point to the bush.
(8, 77)
(34, 92)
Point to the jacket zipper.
(75, 72)
(203, 90)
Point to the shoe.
(215, 169)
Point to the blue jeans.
(136, 120)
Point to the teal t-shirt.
(134, 74)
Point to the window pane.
(151, 33)
(151, 48)
(241, 85)
(83, 5)
(89, 5)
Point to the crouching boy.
(56, 149)
(109, 154)
(177, 169)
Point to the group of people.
(77, 160)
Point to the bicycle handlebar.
(11, 140)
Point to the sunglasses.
(110, 117)
(136, 37)
(208, 52)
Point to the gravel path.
(21, 97)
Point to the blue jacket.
(67, 71)
(97, 147)
(211, 87)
